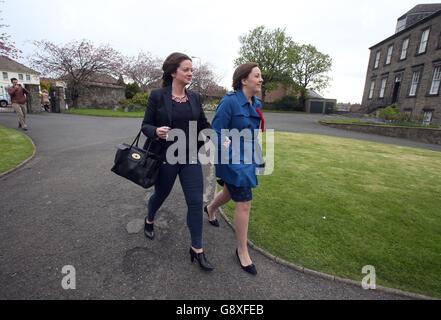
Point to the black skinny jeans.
(191, 178)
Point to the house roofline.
(398, 34)
(29, 70)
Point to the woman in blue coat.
(239, 110)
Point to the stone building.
(405, 69)
(101, 91)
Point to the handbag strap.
(136, 141)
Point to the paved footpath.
(65, 207)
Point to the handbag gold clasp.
(136, 156)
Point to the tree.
(270, 49)
(7, 47)
(309, 69)
(205, 81)
(143, 69)
(76, 62)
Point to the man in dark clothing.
(18, 99)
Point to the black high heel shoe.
(202, 259)
(149, 231)
(250, 269)
(215, 222)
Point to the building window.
(20, 77)
(371, 91)
(404, 49)
(424, 40)
(383, 87)
(28, 77)
(5, 76)
(389, 54)
(434, 89)
(377, 59)
(427, 118)
(415, 82)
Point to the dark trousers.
(191, 178)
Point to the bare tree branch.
(76, 62)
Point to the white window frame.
(404, 48)
(390, 51)
(414, 84)
(383, 87)
(371, 90)
(424, 41)
(5, 76)
(20, 77)
(436, 80)
(28, 77)
(377, 59)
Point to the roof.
(7, 64)
(99, 79)
(422, 8)
(398, 34)
(103, 78)
(314, 95)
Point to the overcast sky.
(210, 29)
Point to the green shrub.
(45, 85)
(390, 113)
(140, 99)
(287, 103)
(132, 89)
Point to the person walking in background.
(18, 100)
(45, 102)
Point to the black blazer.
(159, 114)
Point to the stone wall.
(33, 99)
(96, 96)
(426, 135)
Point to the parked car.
(5, 100)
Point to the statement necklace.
(183, 99)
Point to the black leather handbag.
(136, 164)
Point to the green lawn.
(105, 113)
(15, 147)
(382, 205)
(358, 121)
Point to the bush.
(132, 89)
(287, 103)
(137, 103)
(45, 85)
(390, 113)
(140, 99)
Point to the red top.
(262, 119)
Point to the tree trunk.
(74, 102)
(263, 94)
(74, 96)
(303, 99)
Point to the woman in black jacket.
(174, 107)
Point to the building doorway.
(397, 87)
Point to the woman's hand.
(227, 142)
(162, 132)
